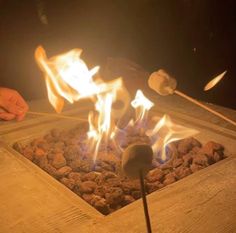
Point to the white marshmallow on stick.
(136, 158)
(162, 83)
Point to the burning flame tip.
(68, 78)
(165, 132)
(214, 81)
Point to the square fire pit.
(203, 200)
(65, 155)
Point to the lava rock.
(182, 171)
(155, 175)
(28, 153)
(71, 152)
(100, 204)
(169, 178)
(201, 159)
(151, 187)
(75, 176)
(210, 147)
(195, 167)
(50, 170)
(39, 153)
(92, 176)
(58, 161)
(188, 158)
(185, 145)
(177, 162)
(127, 200)
(88, 187)
(63, 171)
(18, 147)
(136, 194)
(115, 196)
(113, 182)
(69, 183)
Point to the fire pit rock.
(65, 156)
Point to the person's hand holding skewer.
(12, 105)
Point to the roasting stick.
(56, 115)
(164, 84)
(145, 206)
(204, 106)
(136, 162)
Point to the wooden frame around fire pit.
(170, 206)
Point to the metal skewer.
(145, 206)
(136, 162)
(162, 83)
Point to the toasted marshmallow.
(136, 158)
(161, 82)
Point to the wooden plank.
(80, 110)
(32, 201)
(202, 202)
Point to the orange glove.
(12, 105)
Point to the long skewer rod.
(145, 206)
(204, 106)
(56, 115)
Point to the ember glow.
(68, 78)
(214, 81)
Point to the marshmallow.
(162, 83)
(136, 158)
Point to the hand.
(12, 105)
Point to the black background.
(193, 39)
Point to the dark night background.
(193, 39)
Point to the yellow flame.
(101, 127)
(68, 77)
(164, 132)
(214, 81)
(142, 105)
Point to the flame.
(68, 77)
(142, 105)
(164, 132)
(214, 81)
(102, 127)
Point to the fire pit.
(86, 158)
(172, 207)
(64, 154)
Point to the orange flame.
(102, 127)
(164, 132)
(68, 77)
(214, 81)
(142, 105)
